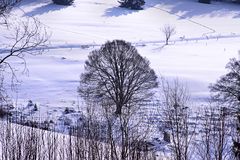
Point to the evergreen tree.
(132, 4)
(204, 1)
(63, 2)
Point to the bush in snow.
(30, 103)
(166, 137)
(132, 4)
(67, 121)
(4, 112)
(35, 107)
(63, 2)
(69, 110)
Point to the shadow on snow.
(118, 11)
(45, 9)
(194, 8)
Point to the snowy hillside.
(207, 36)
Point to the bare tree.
(177, 120)
(227, 88)
(118, 75)
(19, 37)
(227, 91)
(168, 31)
(215, 134)
(236, 141)
(204, 147)
(25, 37)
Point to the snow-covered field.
(207, 36)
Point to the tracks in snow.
(139, 43)
(211, 30)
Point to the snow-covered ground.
(207, 36)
